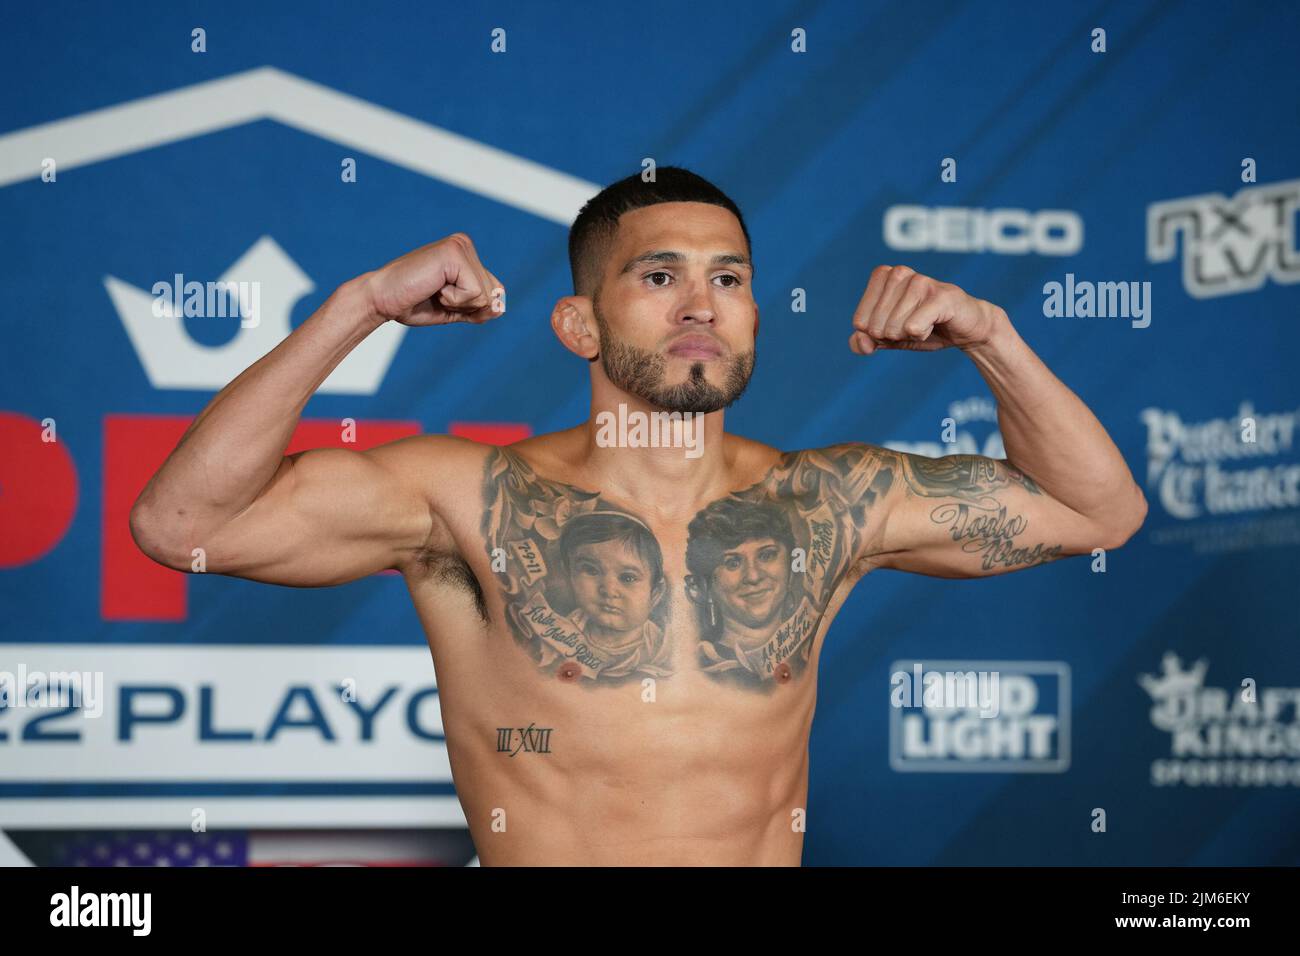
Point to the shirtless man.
(693, 748)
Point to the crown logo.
(1175, 682)
(173, 360)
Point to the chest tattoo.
(585, 589)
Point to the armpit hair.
(453, 571)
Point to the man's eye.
(658, 284)
(735, 280)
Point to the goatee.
(641, 372)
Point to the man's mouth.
(695, 346)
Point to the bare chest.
(594, 592)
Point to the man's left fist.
(903, 309)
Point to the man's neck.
(666, 462)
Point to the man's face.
(612, 585)
(752, 581)
(676, 312)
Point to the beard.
(641, 372)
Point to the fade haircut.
(591, 237)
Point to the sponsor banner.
(1243, 736)
(1026, 729)
(272, 724)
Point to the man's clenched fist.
(436, 284)
(903, 309)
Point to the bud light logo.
(1027, 729)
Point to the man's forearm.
(1052, 436)
(233, 449)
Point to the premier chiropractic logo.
(1101, 300)
(1184, 462)
(102, 909)
(53, 689)
(208, 300)
(637, 429)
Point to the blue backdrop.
(816, 135)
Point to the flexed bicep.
(971, 516)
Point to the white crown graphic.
(1175, 681)
(172, 359)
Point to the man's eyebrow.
(667, 255)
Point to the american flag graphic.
(152, 848)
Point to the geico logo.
(1048, 232)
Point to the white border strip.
(338, 813)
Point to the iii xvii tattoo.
(531, 739)
(583, 582)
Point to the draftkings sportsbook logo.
(1219, 737)
(1026, 730)
(1229, 245)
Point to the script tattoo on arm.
(582, 581)
(763, 563)
(976, 518)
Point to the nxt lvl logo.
(1229, 245)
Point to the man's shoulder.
(439, 466)
(849, 452)
(851, 465)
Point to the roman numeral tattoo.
(532, 739)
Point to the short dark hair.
(591, 237)
(729, 523)
(599, 527)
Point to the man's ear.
(574, 321)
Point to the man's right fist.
(436, 284)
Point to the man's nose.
(698, 306)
